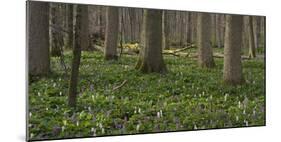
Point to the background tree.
(165, 33)
(38, 38)
(85, 28)
(205, 53)
(57, 41)
(111, 34)
(76, 57)
(252, 48)
(69, 42)
(232, 69)
(151, 59)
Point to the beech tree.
(38, 38)
(72, 92)
(151, 59)
(232, 72)
(205, 53)
(111, 34)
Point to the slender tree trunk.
(38, 38)
(252, 48)
(151, 59)
(76, 58)
(232, 73)
(205, 54)
(111, 34)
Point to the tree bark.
(232, 73)
(165, 31)
(111, 35)
(205, 53)
(76, 58)
(69, 43)
(252, 48)
(38, 38)
(56, 30)
(218, 30)
(85, 28)
(151, 59)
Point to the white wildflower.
(102, 130)
(195, 127)
(225, 97)
(139, 110)
(239, 104)
(138, 127)
(62, 128)
(158, 114)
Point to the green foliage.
(186, 98)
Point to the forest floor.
(186, 98)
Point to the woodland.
(104, 70)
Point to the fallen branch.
(182, 49)
(119, 86)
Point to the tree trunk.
(205, 54)
(218, 30)
(76, 58)
(85, 29)
(111, 34)
(70, 27)
(232, 73)
(165, 31)
(252, 48)
(256, 26)
(56, 30)
(38, 38)
(151, 59)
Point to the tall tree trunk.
(232, 73)
(38, 38)
(76, 58)
(151, 59)
(194, 25)
(111, 34)
(70, 27)
(205, 54)
(85, 28)
(252, 48)
(218, 30)
(165, 38)
(213, 30)
(256, 27)
(56, 30)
